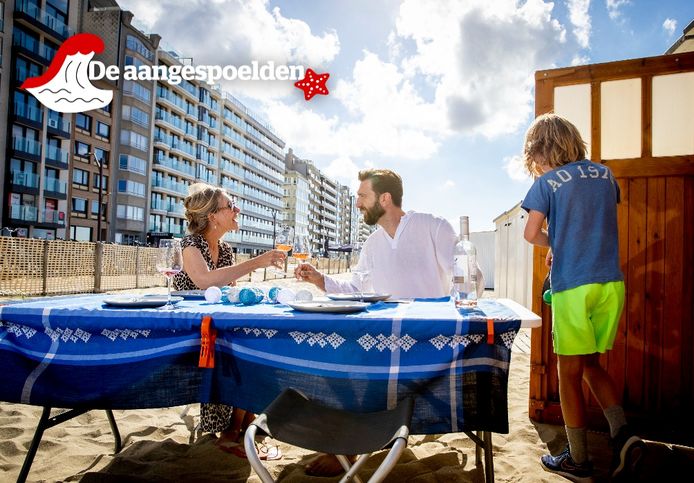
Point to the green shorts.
(585, 318)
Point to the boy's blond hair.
(552, 141)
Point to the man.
(410, 255)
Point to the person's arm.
(533, 229)
(196, 268)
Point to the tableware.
(189, 294)
(146, 301)
(330, 306)
(284, 241)
(169, 263)
(362, 277)
(364, 297)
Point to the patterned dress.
(213, 417)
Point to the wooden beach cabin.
(637, 117)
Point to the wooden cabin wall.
(651, 361)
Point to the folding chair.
(295, 419)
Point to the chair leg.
(252, 455)
(389, 462)
(351, 469)
(478, 449)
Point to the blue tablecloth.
(77, 352)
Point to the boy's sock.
(616, 419)
(578, 444)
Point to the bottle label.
(459, 279)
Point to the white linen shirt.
(417, 262)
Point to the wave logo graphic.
(65, 86)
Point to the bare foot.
(326, 465)
(228, 439)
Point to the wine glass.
(169, 263)
(362, 277)
(284, 241)
(301, 251)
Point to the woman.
(209, 261)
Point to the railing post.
(98, 261)
(45, 268)
(137, 267)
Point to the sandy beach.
(163, 445)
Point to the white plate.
(357, 297)
(140, 301)
(334, 306)
(189, 294)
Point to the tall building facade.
(36, 146)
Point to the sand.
(163, 445)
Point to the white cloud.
(448, 185)
(344, 170)
(670, 25)
(236, 32)
(614, 7)
(515, 168)
(580, 59)
(580, 19)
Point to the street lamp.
(101, 193)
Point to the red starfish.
(313, 84)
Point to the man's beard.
(373, 214)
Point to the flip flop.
(265, 451)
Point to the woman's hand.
(273, 258)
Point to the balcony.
(25, 179)
(59, 126)
(54, 185)
(24, 111)
(174, 164)
(57, 157)
(23, 213)
(27, 147)
(53, 217)
(42, 18)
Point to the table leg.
(38, 434)
(114, 430)
(488, 457)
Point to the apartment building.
(322, 202)
(36, 147)
(296, 202)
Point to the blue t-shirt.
(579, 201)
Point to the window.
(130, 212)
(83, 122)
(136, 115)
(139, 91)
(80, 177)
(133, 163)
(80, 233)
(104, 184)
(103, 129)
(95, 208)
(134, 139)
(79, 205)
(131, 187)
(136, 45)
(102, 155)
(82, 149)
(25, 68)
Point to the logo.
(65, 86)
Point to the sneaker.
(628, 449)
(564, 465)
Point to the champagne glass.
(169, 263)
(284, 241)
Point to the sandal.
(265, 451)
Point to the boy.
(579, 200)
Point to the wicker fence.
(52, 267)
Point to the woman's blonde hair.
(202, 200)
(553, 141)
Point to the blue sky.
(439, 91)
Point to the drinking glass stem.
(168, 289)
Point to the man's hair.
(555, 139)
(384, 181)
